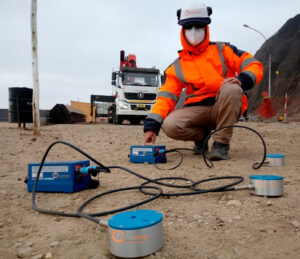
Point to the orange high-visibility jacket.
(201, 71)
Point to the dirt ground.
(214, 225)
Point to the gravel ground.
(213, 225)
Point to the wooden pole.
(285, 109)
(35, 70)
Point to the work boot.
(199, 144)
(219, 151)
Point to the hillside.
(284, 46)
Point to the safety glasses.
(191, 25)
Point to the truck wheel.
(117, 119)
(135, 121)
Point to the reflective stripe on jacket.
(201, 70)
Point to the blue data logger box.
(147, 154)
(59, 176)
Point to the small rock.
(1, 224)
(229, 220)
(38, 256)
(55, 243)
(99, 256)
(236, 203)
(58, 219)
(237, 217)
(190, 222)
(229, 197)
(4, 192)
(206, 213)
(197, 217)
(48, 255)
(29, 244)
(236, 251)
(269, 203)
(18, 244)
(24, 252)
(295, 223)
(75, 197)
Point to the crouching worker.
(214, 76)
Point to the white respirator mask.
(194, 35)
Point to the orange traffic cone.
(266, 109)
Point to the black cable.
(222, 188)
(143, 186)
(152, 180)
(39, 172)
(207, 161)
(99, 214)
(157, 181)
(175, 150)
(255, 165)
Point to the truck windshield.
(141, 79)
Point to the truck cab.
(135, 92)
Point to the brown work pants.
(190, 123)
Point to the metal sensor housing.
(135, 233)
(267, 185)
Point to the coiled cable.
(193, 190)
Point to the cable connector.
(244, 187)
(159, 152)
(92, 170)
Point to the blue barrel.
(20, 104)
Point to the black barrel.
(20, 104)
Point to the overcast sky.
(79, 41)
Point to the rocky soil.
(214, 225)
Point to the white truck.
(135, 91)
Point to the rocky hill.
(285, 74)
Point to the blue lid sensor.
(137, 219)
(266, 177)
(275, 155)
(267, 185)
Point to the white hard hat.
(194, 11)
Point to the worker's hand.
(149, 137)
(231, 80)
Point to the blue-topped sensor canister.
(275, 159)
(267, 185)
(135, 233)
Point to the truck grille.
(137, 96)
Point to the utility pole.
(270, 57)
(35, 70)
